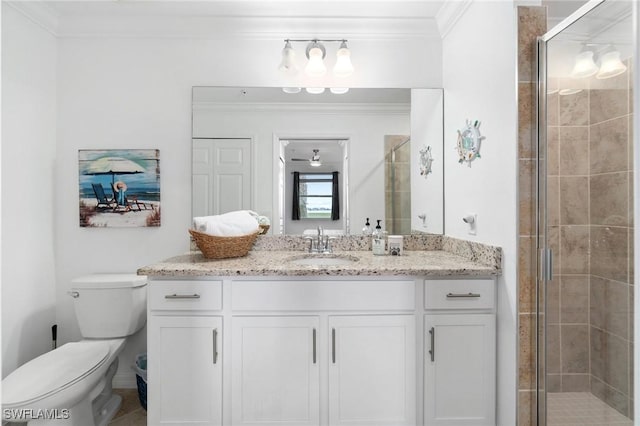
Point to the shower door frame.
(544, 258)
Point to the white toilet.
(71, 385)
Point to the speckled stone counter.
(450, 258)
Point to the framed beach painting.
(119, 187)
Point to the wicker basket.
(264, 229)
(213, 247)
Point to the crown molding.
(449, 14)
(329, 109)
(39, 13)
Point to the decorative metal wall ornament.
(425, 161)
(469, 141)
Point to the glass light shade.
(291, 89)
(315, 67)
(584, 66)
(315, 163)
(288, 63)
(339, 90)
(315, 90)
(611, 65)
(343, 66)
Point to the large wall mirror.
(332, 160)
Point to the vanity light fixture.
(584, 65)
(316, 52)
(611, 65)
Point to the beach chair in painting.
(103, 201)
(130, 203)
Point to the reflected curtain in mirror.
(295, 211)
(335, 198)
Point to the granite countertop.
(435, 263)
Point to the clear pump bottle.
(367, 228)
(377, 241)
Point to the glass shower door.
(586, 291)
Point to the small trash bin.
(141, 378)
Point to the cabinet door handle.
(182, 296)
(333, 345)
(314, 345)
(462, 295)
(432, 351)
(215, 345)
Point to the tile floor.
(581, 409)
(131, 412)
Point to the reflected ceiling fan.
(314, 161)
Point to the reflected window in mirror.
(316, 196)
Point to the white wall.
(28, 160)
(136, 93)
(479, 77)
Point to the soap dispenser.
(377, 240)
(367, 228)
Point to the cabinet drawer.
(323, 295)
(185, 295)
(459, 294)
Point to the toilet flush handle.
(73, 294)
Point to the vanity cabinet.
(184, 370)
(372, 370)
(460, 342)
(275, 376)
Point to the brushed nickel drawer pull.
(333, 345)
(314, 345)
(215, 345)
(432, 351)
(182, 296)
(462, 295)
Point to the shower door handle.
(547, 264)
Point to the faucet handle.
(327, 245)
(311, 241)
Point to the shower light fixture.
(611, 65)
(316, 53)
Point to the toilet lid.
(53, 371)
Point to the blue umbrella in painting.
(113, 166)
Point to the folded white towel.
(232, 224)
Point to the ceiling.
(250, 8)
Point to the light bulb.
(343, 66)
(611, 65)
(315, 67)
(291, 89)
(288, 63)
(315, 90)
(584, 66)
(339, 90)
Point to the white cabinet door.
(460, 370)
(372, 370)
(185, 370)
(275, 372)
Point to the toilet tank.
(110, 305)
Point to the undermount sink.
(323, 260)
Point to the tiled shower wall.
(402, 185)
(532, 22)
(589, 344)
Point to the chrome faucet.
(321, 244)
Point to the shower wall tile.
(554, 383)
(553, 300)
(610, 359)
(574, 249)
(630, 258)
(553, 151)
(526, 370)
(609, 308)
(553, 241)
(526, 280)
(575, 299)
(574, 147)
(630, 142)
(609, 252)
(553, 109)
(553, 349)
(574, 200)
(553, 200)
(526, 102)
(532, 22)
(574, 109)
(574, 344)
(612, 397)
(609, 199)
(526, 190)
(576, 382)
(609, 98)
(608, 146)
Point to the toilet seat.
(53, 371)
